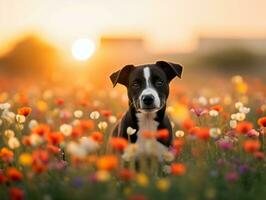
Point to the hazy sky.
(168, 25)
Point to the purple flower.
(77, 182)
(198, 111)
(243, 169)
(225, 144)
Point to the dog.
(148, 89)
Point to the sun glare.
(82, 49)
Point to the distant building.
(208, 45)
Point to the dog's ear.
(121, 76)
(171, 69)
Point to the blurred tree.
(30, 56)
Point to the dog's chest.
(146, 122)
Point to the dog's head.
(147, 85)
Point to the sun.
(82, 49)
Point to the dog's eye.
(135, 85)
(158, 83)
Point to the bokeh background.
(211, 39)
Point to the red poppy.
(126, 175)
(53, 149)
(6, 155)
(16, 193)
(41, 129)
(217, 108)
(193, 131)
(177, 144)
(3, 178)
(162, 134)
(76, 132)
(251, 146)
(24, 111)
(55, 138)
(86, 125)
(97, 136)
(106, 113)
(40, 156)
(59, 101)
(259, 155)
(178, 169)
(262, 121)
(119, 143)
(13, 174)
(188, 124)
(244, 127)
(203, 133)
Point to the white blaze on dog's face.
(147, 85)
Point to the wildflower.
(95, 115)
(13, 143)
(25, 159)
(163, 184)
(88, 144)
(97, 136)
(42, 106)
(6, 155)
(142, 179)
(35, 140)
(25, 111)
(66, 129)
(131, 131)
(59, 101)
(203, 133)
(112, 119)
(259, 155)
(202, 100)
(55, 138)
(16, 193)
(239, 105)
(102, 176)
(244, 110)
(126, 174)
(118, 143)
(13, 174)
(218, 108)
(188, 124)
(74, 149)
(32, 124)
(179, 133)
(162, 134)
(178, 169)
(86, 125)
(178, 145)
(198, 111)
(262, 121)
(214, 100)
(233, 123)
(102, 125)
(213, 113)
(20, 119)
(240, 116)
(215, 132)
(78, 113)
(107, 162)
(9, 133)
(5, 106)
(106, 113)
(231, 176)
(41, 129)
(251, 146)
(253, 133)
(244, 127)
(225, 144)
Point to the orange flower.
(55, 138)
(218, 108)
(24, 111)
(13, 174)
(162, 134)
(119, 143)
(188, 124)
(251, 146)
(86, 125)
(16, 193)
(6, 155)
(259, 155)
(203, 133)
(53, 149)
(193, 130)
(107, 162)
(39, 168)
(106, 113)
(41, 129)
(244, 127)
(262, 121)
(76, 132)
(40, 156)
(3, 178)
(178, 169)
(126, 175)
(97, 136)
(59, 101)
(178, 144)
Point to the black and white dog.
(148, 90)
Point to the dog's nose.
(148, 100)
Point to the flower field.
(56, 144)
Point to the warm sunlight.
(82, 49)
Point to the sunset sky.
(167, 25)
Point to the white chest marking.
(146, 122)
(149, 90)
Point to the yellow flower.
(179, 112)
(42, 105)
(103, 176)
(102, 125)
(142, 180)
(163, 184)
(25, 159)
(242, 88)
